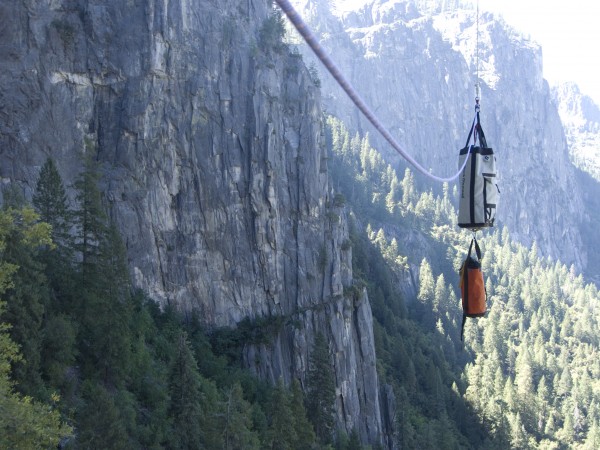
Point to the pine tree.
(592, 440)
(321, 390)
(354, 441)
(524, 373)
(238, 433)
(408, 189)
(58, 330)
(59, 352)
(185, 393)
(550, 428)
(91, 224)
(432, 387)
(440, 297)
(25, 311)
(303, 429)
(542, 403)
(426, 295)
(148, 373)
(23, 236)
(282, 433)
(24, 422)
(393, 197)
(99, 420)
(567, 433)
(406, 433)
(50, 200)
(105, 312)
(104, 294)
(518, 434)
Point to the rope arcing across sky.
(311, 40)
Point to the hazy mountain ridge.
(417, 71)
(581, 119)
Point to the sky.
(567, 30)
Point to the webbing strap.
(471, 132)
(476, 131)
(483, 142)
(477, 249)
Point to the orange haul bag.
(472, 287)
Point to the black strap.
(476, 125)
(473, 179)
(471, 130)
(482, 141)
(477, 249)
(462, 328)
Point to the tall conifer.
(185, 392)
(321, 390)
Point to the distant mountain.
(415, 64)
(581, 119)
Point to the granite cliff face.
(581, 119)
(209, 135)
(415, 66)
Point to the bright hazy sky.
(567, 30)
(569, 35)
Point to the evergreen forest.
(87, 361)
(527, 375)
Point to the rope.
(477, 85)
(311, 40)
(477, 50)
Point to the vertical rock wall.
(210, 141)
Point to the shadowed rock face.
(209, 136)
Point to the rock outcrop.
(209, 135)
(581, 119)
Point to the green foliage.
(129, 375)
(21, 239)
(238, 427)
(321, 390)
(229, 342)
(99, 421)
(102, 309)
(304, 433)
(314, 75)
(527, 377)
(24, 422)
(50, 201)
(91, 223)
(185, 391)
(282, 434)
(270, 36)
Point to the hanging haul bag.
(478, 188)
(472, 287)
